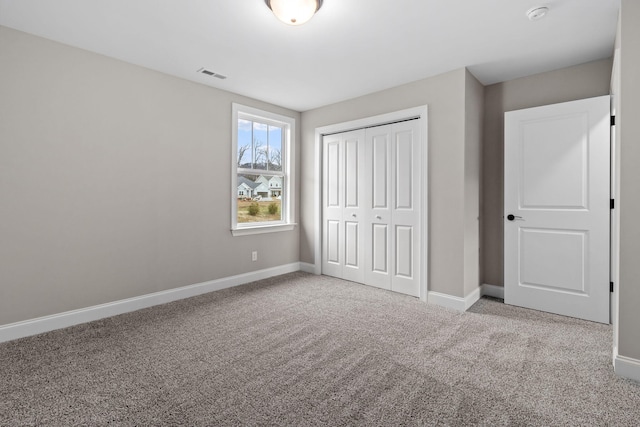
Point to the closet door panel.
(343, 201)
(353, 147)
(379, 250)
(404, 251)
(332, 167)
(378, 199)
(405, 218)
(404, 170)
(351, 244)
(333, 242)
(352, 164)
(380, 170)
(332, 195)
(378, 263)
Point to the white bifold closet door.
(343, 202)
(371, 206)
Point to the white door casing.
(557, 173)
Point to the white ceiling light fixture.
(294, 12)
(537, 13)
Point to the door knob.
(378, 217)
(353, 215)
(511, 217)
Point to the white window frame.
(288, 171)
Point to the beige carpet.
(306, 350)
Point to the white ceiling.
(350, 48)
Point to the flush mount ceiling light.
(537, 13)
(294, 12)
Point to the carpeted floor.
(307, 350)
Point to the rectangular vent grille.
(211, 73)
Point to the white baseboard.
(74, 317)
(445, 300)
(492, 291)
(463, 304)
(308, 268)
(472, 298)
(626, 367)
(450, 301)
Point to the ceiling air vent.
(211, 73)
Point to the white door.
(378, 172)
(556, 234)
(343, 200)
(371, 199)
(392, 171)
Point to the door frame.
(419, 113)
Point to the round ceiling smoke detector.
(537, 13)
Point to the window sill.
(261, 229)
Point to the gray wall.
(628, 135)
(446, 97)
(474, 105)
(114, 181)
(114, 178)
(567, 84)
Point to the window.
(262, 172)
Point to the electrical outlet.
(254, 256)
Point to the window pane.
(259, 146)
(259, 198)
(244, 143)
(275, 148)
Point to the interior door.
(392, 171)
(343, 199)
(557, 173)
(378, 174)
(405, 219)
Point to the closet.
(371, 206)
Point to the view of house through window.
(260, 180)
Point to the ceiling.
(350, 48)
